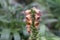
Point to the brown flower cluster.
(29, 19)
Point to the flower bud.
(36, 23)
(36, 10)
(27, 12)
(37, 17)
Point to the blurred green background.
(12, 26)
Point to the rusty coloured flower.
(29, 18)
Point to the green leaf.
(5, 35)
(17, 36)
(25, 32)
(46, 15)
(43, 38)
(50, 21)
(42, 29)
(55, 38)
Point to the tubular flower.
(37, 16)
(36, 23)
(28, 20)
(28, 16)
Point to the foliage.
(12, 26)
(55, 9)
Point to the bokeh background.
(13, 27)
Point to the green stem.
(33, 29)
